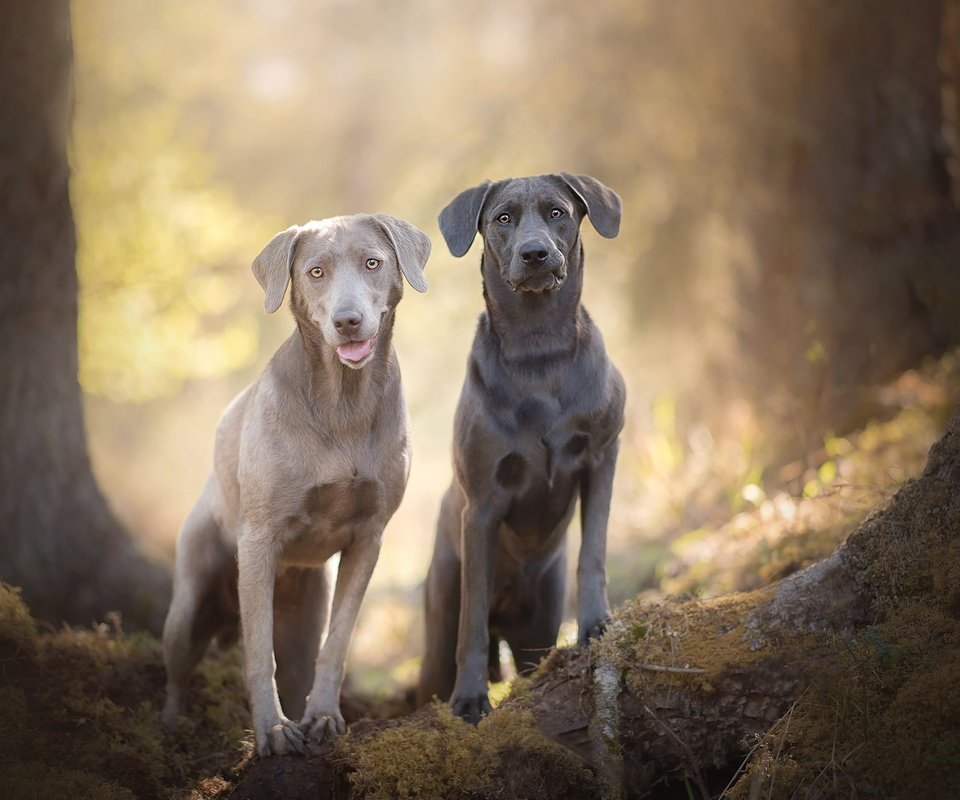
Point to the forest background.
(784, 302)
(749, 300)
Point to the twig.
(685, 748)
(662, 668)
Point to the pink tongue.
(355, 351)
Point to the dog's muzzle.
(538, 266)
(538, 282)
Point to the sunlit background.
(203, 128)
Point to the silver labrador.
(310, 460)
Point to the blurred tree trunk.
(58, 538)
(827, 144)
(848, 201)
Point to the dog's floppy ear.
(411, 246)
(460, 220)
(272, 267)
(603, 204)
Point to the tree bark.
(826, 141)
(675, 719)
(847, 197)
(58, 538)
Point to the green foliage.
(163, 248)
(828, 493)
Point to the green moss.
(18, 631)
(898, 556)
(680, 641)
(436, 754)
(879, 718)
(91, 700)
(879, 721)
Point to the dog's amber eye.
(316, 272)
(503, 219)
(373, 263)
(556, 213)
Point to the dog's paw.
(321, 724)
(282, 738)
(471, 708)
(592, 630)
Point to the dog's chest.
(547, 441)
(343, 504)
(334, 512)
(541, 473)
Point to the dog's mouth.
(538, 285)
(356, 354)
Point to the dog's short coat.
(310, 460)
(536, 427)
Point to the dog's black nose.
(533, 253)
(347, 321)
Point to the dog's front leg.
(257, 563)
(479, 537)
(322, 716)
(593, 610)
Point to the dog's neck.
(530, 324)
(332, 388)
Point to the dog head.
(530, 226)
(346, 275)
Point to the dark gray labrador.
(537, 426)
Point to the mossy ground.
(689, 642)
(880, 718)
(79, 714)
(879, 721)
(79, 709)
(434, 754)
(827, 494)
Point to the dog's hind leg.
(301, 607)
(203, 603)
(531, 639)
